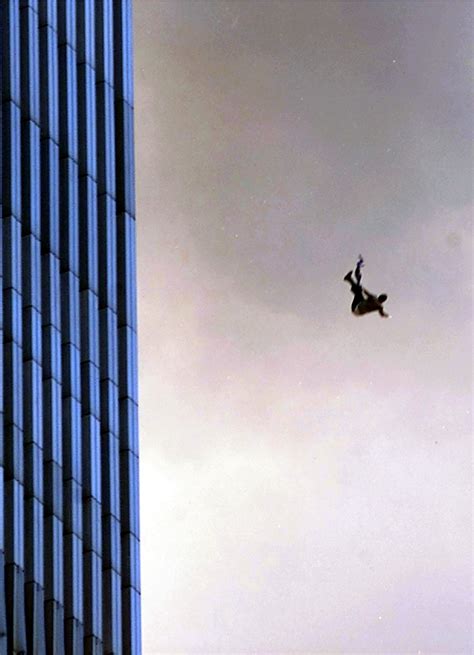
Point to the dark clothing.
(363, 302)
(358, 296)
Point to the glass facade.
(69, 521)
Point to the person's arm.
(368, 294)
(383, 314)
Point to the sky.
(305, 474)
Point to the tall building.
(69, 531)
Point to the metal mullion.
(3, 615)
(127, 321)
(125, 157)
(49, 116)
(70, 330)
(104, 25)
(67, 19)
(51, 303)
(90, 364)
(29, 30)
(110, 443)
(48, 13)
(123, 50)
(32, 329)
(126, 265)
(10, 50)
(68, 135)
(14, 495)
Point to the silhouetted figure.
(364, 302)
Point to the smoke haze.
(305, 475)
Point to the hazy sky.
(305, 475)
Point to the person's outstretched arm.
(383, 314)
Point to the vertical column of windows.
(12, 325)
(110, 444)
(90, 371)
(70, 321)
(51, 330)
(3, 616)
(32, 350)
(125, 196)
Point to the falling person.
(364, 302)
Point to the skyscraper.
(69, 533)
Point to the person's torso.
(367, 305)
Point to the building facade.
(69, 521)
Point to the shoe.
(348, 277)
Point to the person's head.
(383, 297)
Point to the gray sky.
(305, 475)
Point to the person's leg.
(348, 278)
(357, 299)
(358, 274)
(356, 290)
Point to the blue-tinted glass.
(73, 551)
(106, 139)
(129, 494)
(50, 196)
(112, 611)
(52, 411)
(67, 22)
(30, 64)
(69, 556)
(108, 345)
(111, 542)
(51, 352)
(93, 592)
(128, 425)
(89, 327)
(14, 510)
(110, 474)
(14, 462)
(72, 439)
(70, 309)
(68, 102)
(130, 561)
(49, 83)
(127, 363)
(54, 578)
(11, 161)
(107, 252)
(33, 399)
(123, 50)
(105, 41)
(88, 233)
(10, 50)
(13, 381)
(71, 369)
(31, 173)
(109, 407)
(124, 158)
(32, 272)
(35, 539)
(92, 525)
(87, 121)
(73, 503)
(12, 323)
(53, 489)
(91, 456)
(86, 32)
(69, 210)
(12, 258)
(48, 12)
(33, 455)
